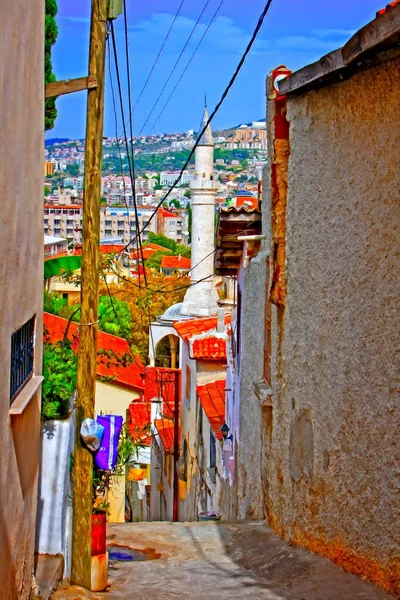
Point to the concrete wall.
(332, 460)
(114, 400)
(199, 492)
(21, 276)
(54, 513)
(248, 497)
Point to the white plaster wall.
(112, 399)
(54, 515)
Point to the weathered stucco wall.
(335, 443)
(250, 447)
(21, 276)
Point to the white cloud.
(74, 19)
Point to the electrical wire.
(187, 66)
(214, 112)
(133, 160)
(117, 137)
(174, 67)
(158, 55)
(130, 162)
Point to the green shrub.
(60, 366)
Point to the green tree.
(47, 191)
(60, 367)
(188, 194)
(154, 262)
(72, 170)
(176, 203)
(50, 36)
(115, 317)
(162, 240)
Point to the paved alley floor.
(209, 561)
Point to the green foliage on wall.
(50, 36)
(60, 367)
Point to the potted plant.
(102, 487)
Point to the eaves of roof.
(378, 37)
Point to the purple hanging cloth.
(106, 456)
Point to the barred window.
(22, 355)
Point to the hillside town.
(199, 379)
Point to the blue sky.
(295, 33)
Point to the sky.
(294, 33)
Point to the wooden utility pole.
(86, 380)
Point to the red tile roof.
(147, 252)
(187, 329)
(212, 398)
(167, 214)
(159, 382)
(247, 201)
(387, 7)
(165, 429)
(107, 366)
(210, 347)
(175, 262)
(139, 421)
(103, 249)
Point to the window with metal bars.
(22, 356)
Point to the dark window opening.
(22, 355)
(267, 331)
(238, 322)
(213, 460)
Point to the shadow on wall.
(7, 566)
(290, 572)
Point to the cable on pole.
(187, 66)
(214, 112)
(174, 67)
(158, 55)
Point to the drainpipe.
(176, 451)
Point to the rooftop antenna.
(205, 100)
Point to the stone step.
(49, 571)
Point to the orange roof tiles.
(165, 429)
(387, 7)
(139, 421)
(175, 262)
(211, 347)
(212, 398)
(103, 249)
(160, 383)
(107, 366)
(191, 327)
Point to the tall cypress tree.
(50, 36)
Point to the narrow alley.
(213, 561)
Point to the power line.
(174, 67)
(130, 162)
(117, 137)
(187, 66)
(214, 112)
(132, 171)
(159, 54)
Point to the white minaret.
(201, 298)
